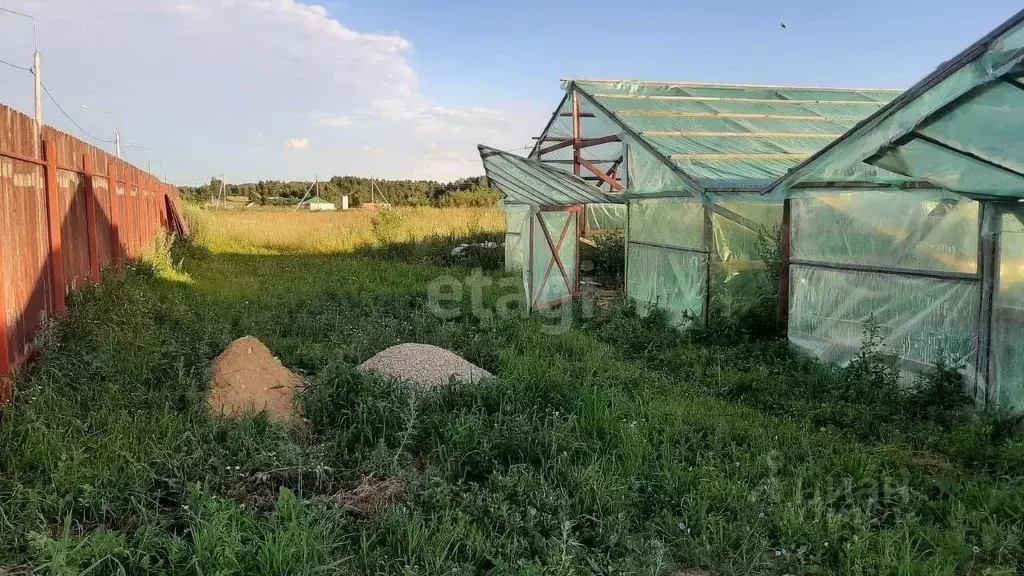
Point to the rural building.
(915, 218)
(317, 204)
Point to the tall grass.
(286, 231)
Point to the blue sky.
(282, 89)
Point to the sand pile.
(423, 365)
(248, 378)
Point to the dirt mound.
(423, 365)
(369, 495)
(248, 378)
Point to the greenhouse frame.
(680, 166)
(914, 221)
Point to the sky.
(294, 89)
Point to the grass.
(620, 446)
(270, 231)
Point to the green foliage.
(460, 193)
(605, 260)
(387, 226)
(745, 305)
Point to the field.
(608, 444)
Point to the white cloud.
(331, 120)
(297, 143)
(217, 74)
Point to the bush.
(605, 260)
(387, 226)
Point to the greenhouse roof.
(525, 181)
(959, 128)
(721, 136)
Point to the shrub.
(387, 226)
(605, 259)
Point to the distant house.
(317, 204)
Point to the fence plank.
(90, 218)
(53, 222)
(115, 212)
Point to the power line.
(72, 120)
(29, 70)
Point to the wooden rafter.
(714, 157)
(725, 99)
(668, 114)
(699, 133)
(615, 185)
(583, 143)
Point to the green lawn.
(621, 446)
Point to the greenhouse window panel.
(928, 159)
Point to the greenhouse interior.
(899, 210)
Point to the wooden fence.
(66, 209)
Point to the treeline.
(465, 192)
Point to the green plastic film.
(602, 217)
(546, 278)
(895, 230)
(738, 281)
(677, 222)
(918, 318)
(1008, 318)
(951, 170)
(668, 279)
(650, 174)
(513, 252)
(516, 217)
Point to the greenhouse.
(914, 221)
(680, 166)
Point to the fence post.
(90, 218)
(53, 224)
(129, 208)
(5, 359)
(115, 214)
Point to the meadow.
(620, 446)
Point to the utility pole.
(117, 130)
(37, 72)
(150, 167)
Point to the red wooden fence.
(66, 209)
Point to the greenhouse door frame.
(576, 213)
